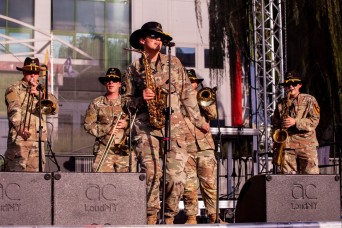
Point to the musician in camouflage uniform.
(300, 122)
(150, 139)
(104, 115)
(201, 162)
(23, 115)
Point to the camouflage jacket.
(101, 115)
(181, 93)
(305, 109)
(16, 98)
(204, 141)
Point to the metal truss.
(267, 70)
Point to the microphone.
(168, 43)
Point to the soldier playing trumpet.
(23, 114)
(201, 161)
(103, 120)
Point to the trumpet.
(206, 96)
(109, 143)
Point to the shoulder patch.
(316, 109)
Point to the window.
(89, 16)
(20, 10)
(117, 16)
(117, 56)
(17, 48)
(3, 12)
(63, 16)
(61, 50)
(186, 56)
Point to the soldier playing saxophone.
(154, 66)
(300, 146)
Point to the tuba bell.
(206, 96)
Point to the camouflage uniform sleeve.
(130, 98)
(309, 120)
(189, 99)
(91, 123)
(12, 100)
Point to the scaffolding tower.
(267, 70)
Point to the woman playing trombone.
(24, 115)
(105, 120)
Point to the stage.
(119, 200)
(232, 225)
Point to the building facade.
(80, 39)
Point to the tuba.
(156, 106)
(206, 96)
(46, 106)
(280, 135)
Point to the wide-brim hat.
(148, 28)
(192, 76)
(31, 65)
(291, 77)
(112, 74)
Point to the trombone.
(109, 143)
(46, 106)
(29, 107)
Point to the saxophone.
(156, 106)
(280, 135)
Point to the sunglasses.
(293, 84)
(112, 80)
(153, 36)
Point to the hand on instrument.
(148, 94)
(288, 122)
(34, 90)
(205, 128)
(116, 130)
(25, 134)
(122, 124)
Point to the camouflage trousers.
(116, 161)
(304, 159)
(23, 156)
(201, 165)
(149, 150)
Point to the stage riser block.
(100, 198)
(289, 198)
(72, 199)
(25, 198)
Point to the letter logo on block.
(96, 192)
(300, 191)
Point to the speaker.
(99, 199)
(25, 198)
(289, 198)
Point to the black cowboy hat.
(30, 65)
(113, 74)
(151, 27)
(292, 77)
(192, 76)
